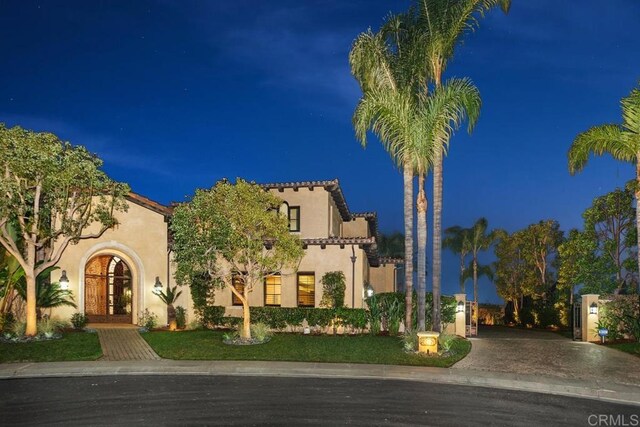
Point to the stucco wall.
(141, 241)
(382, 278)
(316, 260)
(357, 227)
(314, 214)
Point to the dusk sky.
(175, 95)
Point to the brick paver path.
(124, 344)
(533, 352)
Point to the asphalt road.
(234, 400)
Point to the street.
(239, 400)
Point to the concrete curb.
(599, 390)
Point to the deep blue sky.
(174, 95)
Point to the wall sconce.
(157, 287)
(368, 290)
(593, 308)
(64, 281)
(460, 307)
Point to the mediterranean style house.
(113, 277)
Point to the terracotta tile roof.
(367, 243)
(390, 260)
(332, 186)
(149, 204)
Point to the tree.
(480, 240)
(233, 231)
(391, 245)
(457, 241)
(510, 271)
(55, 194)
(409, 120)
(578, 264)
(441, 25)
(539, 246)
(610, 221)
(387, 108)
(622, 141)
(48, 295)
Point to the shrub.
(211, 316)
(622, 312)
(193, 325)
(231, 322)
(79, 320)
(6, 320)
(18, 328)
(445, 342)
(148, 319)
(355, 319)
(333, 287)
(410, 340)
(49, 326)
(181, 317)
(260, 331)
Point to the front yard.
(208, 345)
(72, 346)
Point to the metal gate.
(471, 319)
(576, 320)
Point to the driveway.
(532, 352)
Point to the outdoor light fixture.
(593, 308)
(460, 308)
(64, 281)
(368, 290)
(157, 287)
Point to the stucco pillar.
(460, 327)
(589, 320)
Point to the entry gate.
(576, 320)
(471, 319)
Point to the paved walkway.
(530, 352)
(124, 344)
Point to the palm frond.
(599, 140)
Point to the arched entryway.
(108, 290)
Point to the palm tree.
(475, 271)
(622, 141)
(443, 23)
(48, 295)
(169, 297)
(457, 241)
(480, 241)
(387, 109)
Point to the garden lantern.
(64, 281)
(157, 287)
(593, 308)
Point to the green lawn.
(628, 347)
(72, 346)
(208, 345)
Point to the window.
(306, 290)
(272, 290)
(237, 282)
(294, 218)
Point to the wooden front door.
(107, 290)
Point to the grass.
(628, 347)
(72, 346)
(208, 345)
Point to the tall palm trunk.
(408, 244)
(437, 238)
(422, 252)
(475, 278)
